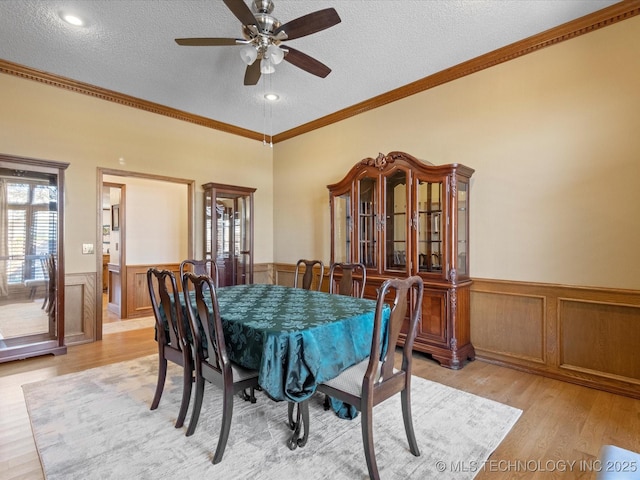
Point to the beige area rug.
(97, 424)
(126, 325)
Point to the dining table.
(295, 338)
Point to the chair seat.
(350, 380)
(241, 373)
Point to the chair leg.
(227, 413)
(187, 381)
(249, 397)
(162, 375)
(408, 422)
(367, 440)
(197, 404)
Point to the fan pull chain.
(264, 112)
(270, 113)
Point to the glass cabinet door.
(368, 224)
(342, 227)
(395, 229)
(31, 257)
(209, 210)
(462, 230)
(229, 232)
(429, 226)
(241, 240)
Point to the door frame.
(101, 172)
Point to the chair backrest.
(200, 267)
(307, 278)
(407, 294)
(203, 313)
(170, 324)
(353, 278)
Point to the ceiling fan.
(263, 36)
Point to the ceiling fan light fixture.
(262, 36)
(275, 54)
(248, 54)
(266, 67)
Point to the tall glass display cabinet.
(31, 257)
(401, 216)
(228, 231)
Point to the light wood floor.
(107, 316)
(561, 423)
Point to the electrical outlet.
(87, 248)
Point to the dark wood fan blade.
(252, 73)
(310, 23)
(305, 62)
(207, 42)
(241, 11)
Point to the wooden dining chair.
(352, 279)
(375, 379)
(171, 335)
(307, 277)
(200, 267)
(211, 359)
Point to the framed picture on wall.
(115, 217)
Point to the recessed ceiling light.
(272, 97)
(72, 19)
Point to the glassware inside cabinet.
(396, 221)
(208, 223)
(342, 226)
(368, 222)
(430, 234)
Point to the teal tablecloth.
(295, 338)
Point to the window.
(32, 228)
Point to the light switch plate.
(87, 248)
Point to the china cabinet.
(31, 257)
(401, 216)
(228, 231)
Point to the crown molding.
(112, 96)
(594, 21)
(602, 18)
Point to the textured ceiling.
(129, 47)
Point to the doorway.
(145, 199)
(112, 197)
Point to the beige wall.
(50, 123)
(169, 242)
(554, 138)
